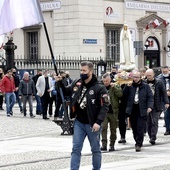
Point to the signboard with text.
(89, 41)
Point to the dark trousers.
(1, 101)
(53, 99)
(138, 124)
(45, 101)
(152, 124)
(122, 124)
(167, 119)
(58, 105)
(18, 100)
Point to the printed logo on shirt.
(91, 92)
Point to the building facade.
(91, 29)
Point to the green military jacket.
(115, 93)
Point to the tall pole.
(66, 121)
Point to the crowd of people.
(40, 87)
(96, 105)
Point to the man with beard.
(165, 77)
(159, 93)
(89, 103)
(140, 103)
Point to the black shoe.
(122, 140)
(32, 116)
(137, 148)
(112, 148)
(38, 113)
(45, 118)
(167, 133)
(103, 148)
(152, 141)
(1, 108)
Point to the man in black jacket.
(89, 103)
(37, 97)
(140, 103)
(17, 81)
(159, 93)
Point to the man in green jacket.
(115, 92)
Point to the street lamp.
(167, 50)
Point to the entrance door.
(152, 58)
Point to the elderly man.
(140, 103)
(26, 93)
(159, 93)
(115, 92)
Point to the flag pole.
(66, 124)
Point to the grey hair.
(106, 75)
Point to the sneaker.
(11, 113)
(112, 148)
(122, 140)
(137, 148)
(167, 133)
(103, 148)
(8, 114)
(32, 116)
(21, 111)
(152, 141)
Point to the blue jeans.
(10, 99)
(38, 106)
(167, 119)
(80, 132)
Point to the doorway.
(152, 58)
(152, 52)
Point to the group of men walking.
(41, 86)
(95, 104)
(142, 101)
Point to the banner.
(18, 14)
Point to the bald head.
(26, 75)
(150, 74)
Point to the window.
(32, 45)
(113, 44)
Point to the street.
(34, 143)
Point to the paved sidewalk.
(34, 143)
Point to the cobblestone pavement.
(34, 143)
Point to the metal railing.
(71, 64)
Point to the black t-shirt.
(82, 114)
